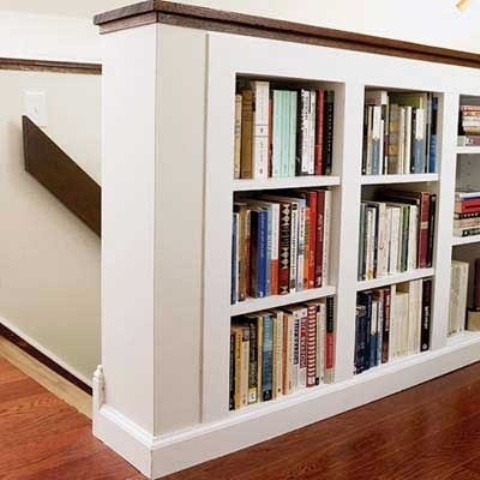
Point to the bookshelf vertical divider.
(443, 235)
(348, 209)
(218, 234)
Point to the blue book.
(432, 154)
(267, 358)
(259, 239)
(365, 299)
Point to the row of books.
(278, 352)
(392, 322)
(399, 133)
(280, 243)
(466, 219)
(282, 131)
(396, 233)
(469, 125)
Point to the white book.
(412, 237)
(261, 116)
(394, 235)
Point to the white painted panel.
(447, 136)
(179, 220)
(128, 228)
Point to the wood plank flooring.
(46, 377)
(43, 438)
(428, 432)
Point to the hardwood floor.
(428, 432)
(43, 438)
(46, 377)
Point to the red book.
(330, 341)
(319, 239)
(312, 345)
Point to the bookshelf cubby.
(466, 226)
(168, 257)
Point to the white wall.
(24, 35)
(49, 260)
(435, 22)
(55, 29)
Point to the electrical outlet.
(36, 107)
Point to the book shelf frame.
(230, 56)
(163, 403)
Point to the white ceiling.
(76, 8)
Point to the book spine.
(386, 325)
(312, 239)
(320, 239)
(277, 133)
(267, 367)
(301, 247)
(301, 144)
(431, 228)
(284, 273)
(330, 340)
(278, 354)
(246, 149)
(326, 237)
(296, 348)
(260, 129)
(476, 285)
(311, 345)
(253, 364)
(294, 221)
(231, 396)
(319, 167)
(234, 261)
(292, 133)
(302, 372)
(466, 232)
(238, 136)
(328, 131)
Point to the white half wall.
(49, 260)
(432, 22)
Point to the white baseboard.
(45, 351)
(169, 453)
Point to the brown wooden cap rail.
(171, 13)
(36, 65)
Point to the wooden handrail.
(59, 174)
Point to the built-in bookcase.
(390, 156)
(178, 293)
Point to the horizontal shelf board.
(454, 344)
(464, 337)
(399, 278)
(291, 182)
(274, 301)
(472, 150)
(465, 240)
(407, 178)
